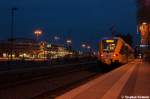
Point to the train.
(114, 50)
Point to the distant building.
(29, 48)
(20, 47)
(143, 18)
(54, 51)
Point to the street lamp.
(69, 42)
(88, 47)
(37, 33)
(83, 45)
(83, 48)
(12, 29)
(43, 45)
(56, 38)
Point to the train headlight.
(115, 55)
(102, 55)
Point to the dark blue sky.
(88, 20)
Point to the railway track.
(47, 82)
(51, 94)
(57, 80)
(12, 78)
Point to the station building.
(19, 47)
(29, 48)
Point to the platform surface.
(130, 81)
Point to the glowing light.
(88, 47)
(24, 54)
(4, 55)
(110, 41)
(143, 28)
(56, 37)
(83, 45)
(49, 45)
(114, 55)
(144, 23)
(38, 32)
(69, 41)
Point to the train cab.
(113, 50)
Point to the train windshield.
(109, 45)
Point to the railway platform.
(130, 81)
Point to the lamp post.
(43, 44)
(12, 29)
(83, 46)
(69, 43)
(37, 33)
(89, 49)
(56, 38)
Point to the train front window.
(109, 45)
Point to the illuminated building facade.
(143, 18)
(30, 49)
(52, 51)
(22, 47)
